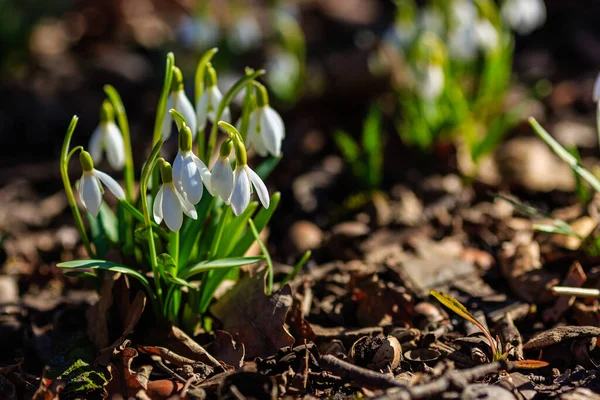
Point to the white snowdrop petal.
(111, 184)
(95, 145)
(254, 137)
(240, 197)
(171, 207)
(275, 120)
(157, 208)
(221, 179)
(115, 147)
(259, 185)
(167, 120)
(597, 88)
(187, 207)
(269, 136)
(91, 193)
(187, 110)
(204, 172)
(202, 110)
(191, 181)
(178, 171)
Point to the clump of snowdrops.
(184, 224)
(456, 70)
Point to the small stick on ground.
(360, 375)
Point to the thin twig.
(358, 374)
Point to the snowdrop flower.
(430, 61)
(597, 89)
(169, 204)
(246, 34)
(188, 170)
(486, 35)
(462, 43)
(90, 185)
(431, 19)
(179, 101)
(524, 16)
(266, 130)
(284, 71)
(107, 137)
(244, 179)
(221, 179)
(207, 106)
(431, 84)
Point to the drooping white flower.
(207, 106)
(90, 185)
(169, 204)
(596, 93)
(487, 35)
(462, 42)
(266, 130)
(524, 16)
(431, 19)
(284, 71)
(246, 33)
(221, 178)
(244, 180)
(189, 172)
(178, 101)
(431, 82)
(107, 137)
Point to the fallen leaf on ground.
(225, 349)
(575, 278)
(255, 319)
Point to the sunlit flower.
(597, 89)
(284, 71)
(524, 16)
(486, 34)
(245, 34)
(462, 42)
(266, 130)
(244, 179)
(207, 106)
(90, 185)
(169, 204)
(221, 179)
(431, 82)
(107, 137)
(189, 172)
(179, 101)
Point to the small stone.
(305, 235)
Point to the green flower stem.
(117, 103)
(200, 70)
(135, 213)
(146, 174)
(297, 267)
(219, 234)
(175, 247)
(164, 95)
(239, 85)
(265, 252)
(201, 143)
(198, 90)
(248, 106)
(65, 156)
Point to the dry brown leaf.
(255, 319)
(575, 278)
(133, 313)
(225, 349)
